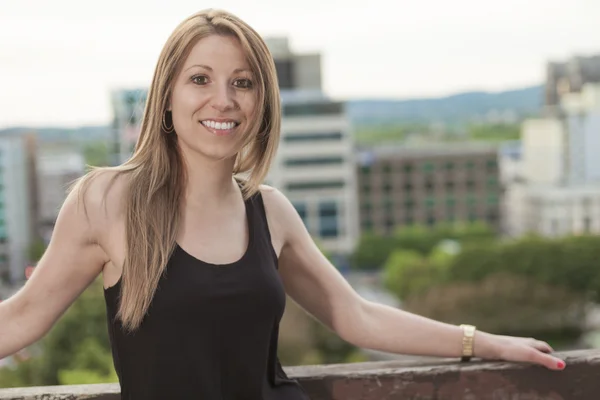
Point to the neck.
(209, 182)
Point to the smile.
(220, 125)
(220, 128)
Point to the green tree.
(372, 251)
(407, 273)
(97, 154)
(76, 346)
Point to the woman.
(196, 261)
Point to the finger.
(532, 355)
(542, 346)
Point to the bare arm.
(71, 262)
(318, 287)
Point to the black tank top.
(211, 331)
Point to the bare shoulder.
(98, 196)
(276, 203)
(284, 221)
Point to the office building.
(560, 187)
(57, 168)
(18, 208)
(314, 166)
(128, 110)
(569, 77)
(428, 184)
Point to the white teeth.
(219, 125)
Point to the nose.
(223, 98)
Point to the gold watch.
(468, 342)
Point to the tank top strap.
(261, 228)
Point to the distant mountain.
(455, 109)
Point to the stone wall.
(395, 380)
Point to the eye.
(200, 79)
(243, 83)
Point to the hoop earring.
(164, 124)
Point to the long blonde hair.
(156, 172)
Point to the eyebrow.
(206, 67)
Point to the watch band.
(468, 342)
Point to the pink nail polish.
(560, 365)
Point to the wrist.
(484, 345)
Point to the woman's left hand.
(518, 349)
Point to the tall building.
(544, 145)
(17, 204)
(314, 166)
(295, 71)
(128, 110)
(428, 184)
(559, 193)
(570, 76)
(57, 169)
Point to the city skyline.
(51, 76)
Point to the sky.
(60, 59)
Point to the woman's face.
(213, 99)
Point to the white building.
(544, 151)
(559, 211)
(559, 192)
(17, 204)
(314, 167)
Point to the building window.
(367, 225)
(328, 219)
(337, 184)
(309, 109)
(387, 187)
(299, 162)
(492, 165)
(285, 73)
(388, 204)
(470, 165)
(430, 202)
(389, 224)
(428, 167)
(450, 202)
(492, 181)
(431, 220)
(449, 166)
(429, 185)
(408, 168)
(312, 137)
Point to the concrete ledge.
(396, 380)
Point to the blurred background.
(444, 155)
